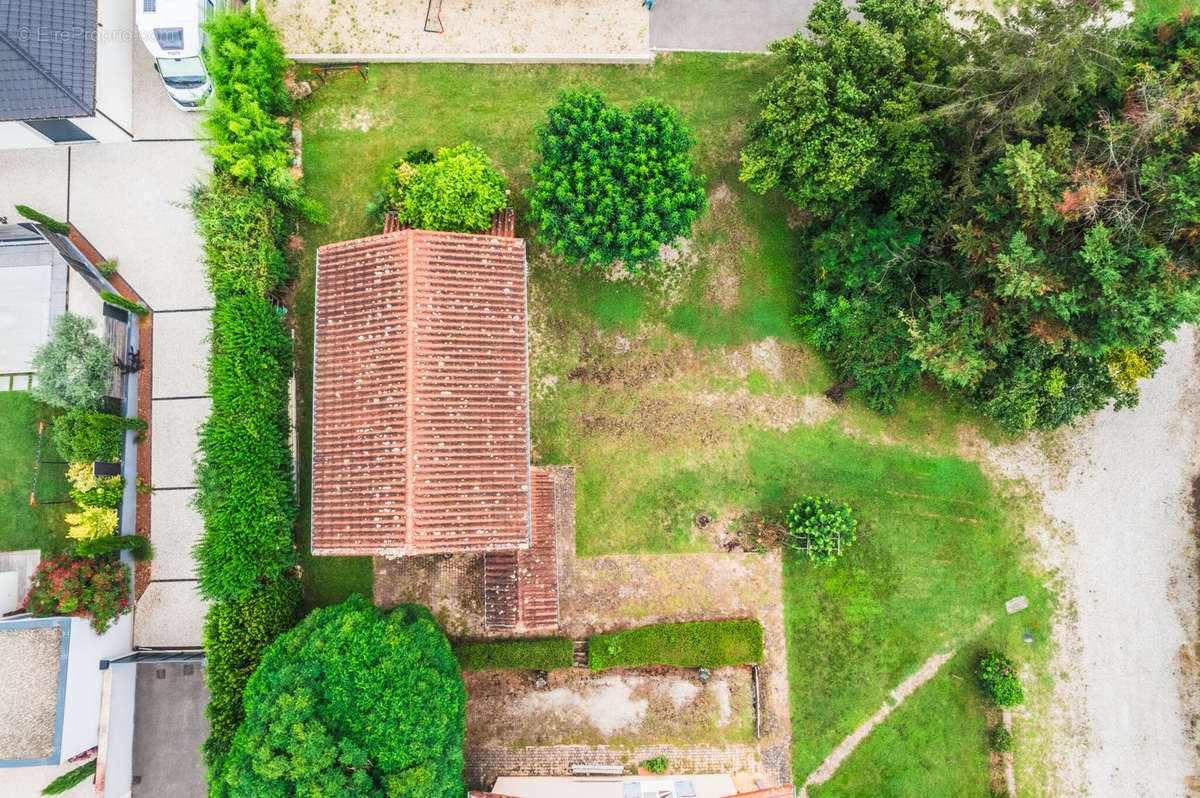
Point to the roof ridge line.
(41, 70)
(408, 398)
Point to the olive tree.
(74, 367)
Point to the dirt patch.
(626, 706)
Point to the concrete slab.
(154, 115)
(169, 615)
(131, 201)
(175, 526)
(181, 354)
(745, 26)
(28, 782)
(169, 728)
(173, 441)
(34, 177)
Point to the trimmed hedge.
(539, 654)
(243, 238)
(138, 546)
(121, 302)
(235, 635)
(700, 644)
(83, 436)
(53, 225)
(71, 778)
(244, 477)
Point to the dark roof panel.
(47, 59)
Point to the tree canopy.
(1018, 219)
(74, 367)
(613, 186)
(456, 190)
(354, 701)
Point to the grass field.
(924, 746)
(687, 390)
(26, 527)
(1161, 10)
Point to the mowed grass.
(24, 526)
(687, 390)
(934, 745)
(1153, 11)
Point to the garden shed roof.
(420, 406)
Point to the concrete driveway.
(743, 26)
(169, 728)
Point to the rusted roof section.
(504, 222)
(420, 407)
(520, 588)
(784, 791)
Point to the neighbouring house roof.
(33, 657)
(33, 292)
(520, 587)
(47, 59)
(420, 406)
(783, 791)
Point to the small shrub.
(82, 435)
(74, 367)
(53, 225)
(69, 779)
(658, 764)
(107, 267)
(820, 528)
(91, 523)
(1002, 740)
(138, 546)
(122, 302)
(235, 635)
(457, 190)
(613, 186)
(541, 654)
(998, 675)
(81, 587)
(707, 644)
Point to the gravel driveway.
(1120, 487)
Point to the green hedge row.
(542, 654)
(701, 644)
(235, 635)
(83, 436)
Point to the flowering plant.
(82, 587)
(999, 677)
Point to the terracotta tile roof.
(520, 588)
(504, 223)
(784, 791)
(420, 407)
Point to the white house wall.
(116, 36)
(82, 702)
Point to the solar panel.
(148, 6)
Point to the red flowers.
(81, 587)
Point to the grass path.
(894, 700)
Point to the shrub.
(235, 635)
(74, 367)
(107, 267)
(69, 779)
(998, 675)
(658, 764)
(354, 701)
(820, 528)
(122, 302)
(83, 435)
(458, 190)
(88, 490)
(53, 225)
(541, 654)
(243, 236)
(707, 644)
(137, 545)
(1002, 740)
(244, 475)
(91, 523)
(613, 186)
(82, 587)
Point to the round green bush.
(817, 524)
(457, 190)
(1002, 740)
(998, 675)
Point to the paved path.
(720, 25)
(894, 700)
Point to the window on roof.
(148, 6)
(169, 38)
(60, 131)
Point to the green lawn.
(1161, 10)
(934, 746)
(26, 527)
(687, 390)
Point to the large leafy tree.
(354, 701)
(457, 190)
(1059, 252)
(613, 186)
(74, 367)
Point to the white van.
(170, 29)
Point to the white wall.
(82, 702)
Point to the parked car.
(170, 30)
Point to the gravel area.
(29, 659)
(1118, 489)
